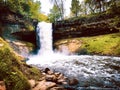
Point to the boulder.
(32, 83)
(48, 71)
(57, 88)
(44, 85)
(52, 78)
(73, 81)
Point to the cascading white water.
(91, 70)
(45, 34)
(45, 53)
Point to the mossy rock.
(108, 44)
(13, 78)
(14, 72)
(9, 72)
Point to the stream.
(93, 72)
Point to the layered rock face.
(91, 26)
(13, 28)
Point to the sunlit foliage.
(27, 8)
(54, 14)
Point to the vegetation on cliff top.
(83, 8)
(14, 72)
(29, 9)
(93, 16)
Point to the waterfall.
(91, 70)
(44, 41)
(44, 31)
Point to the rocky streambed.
(85, 72)
(53, 81)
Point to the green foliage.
(75, 7)
(54, 14)
(43, 17)
(35, 72)
(29, 27)
(104, 44)
(114, 8)
(14, 5)
(91, 5)
(28, 8)
(16, 80)
(108, 44)
(13, 78)
(95, 6)
(116, 22)
(59, 4)
(14, 72)
(9, 72)
(34, 9)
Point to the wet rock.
(51, 78)
(57, 74)
(2, 85)
(57, 88)
(44, 73)
(61, 81)
(48, 71)
(44, 85)
(64, 83)
(73, 81)
(61, 76)
(32, 83)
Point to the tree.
(28, 8)
(75, 7)
(97, 6)
(114, 7)
(34, 9)
(43, 17)
(54, 14)
(84, 8)
(91, 4)
(60, 6)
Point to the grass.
(14, 72)
(105, 44)
(108, 44)
(9, 71)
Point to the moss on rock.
(108, 44)
(13, 78)
(14, 72)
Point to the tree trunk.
(100, 6)
(62, 10)
(59, 9)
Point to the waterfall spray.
(90, 70)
